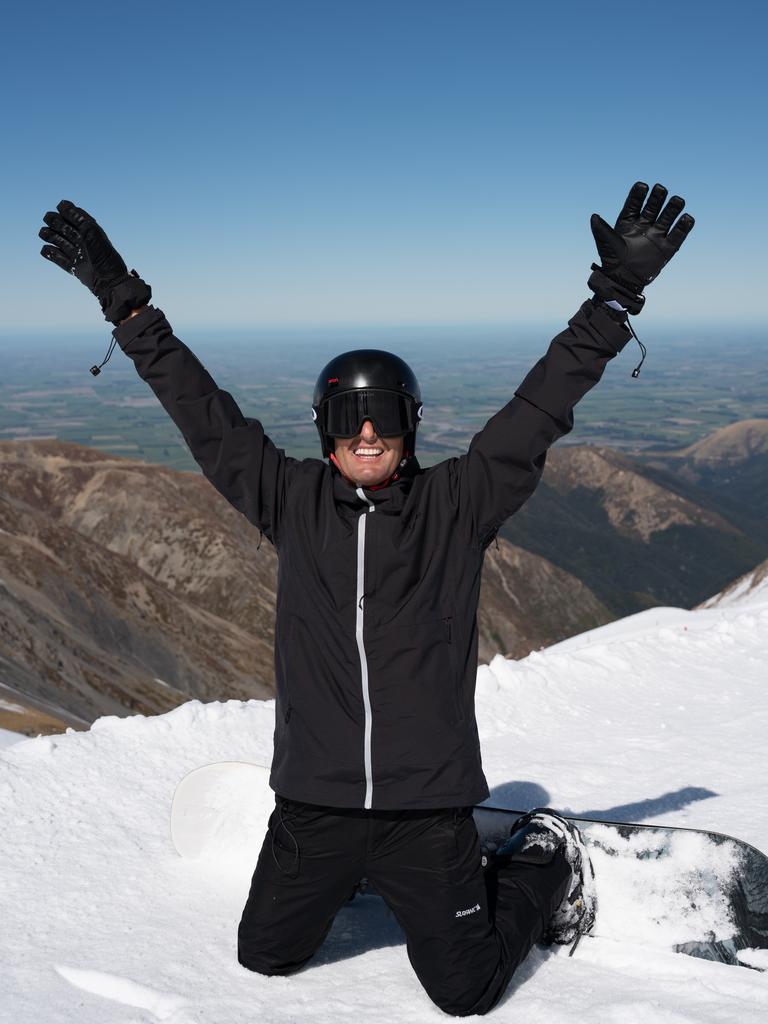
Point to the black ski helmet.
(367, 384)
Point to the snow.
(6, 737)
(7, 705)
(752, 586)
(660, 717)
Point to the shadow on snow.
(522, 796)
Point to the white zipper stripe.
(361, 649)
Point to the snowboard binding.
(536, 838)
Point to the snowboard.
(701, 893)
(220, 810)
(695, 892)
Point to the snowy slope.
(7, 738)
(661, 717)
(752, 586)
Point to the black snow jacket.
(376, 629)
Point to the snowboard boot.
(535, 839)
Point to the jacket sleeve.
(232, 450)
(506, 459)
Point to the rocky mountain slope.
(730, 466)
(752, 585)
(638, 536)
(734, 444)
(128, 587)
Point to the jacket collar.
(389, 499)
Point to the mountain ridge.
(116, 574)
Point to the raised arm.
(232, 450)
(506, 459)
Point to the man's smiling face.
(367, 459)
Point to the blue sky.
(368, 162)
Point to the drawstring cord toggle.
(96, 370)
(636, 371)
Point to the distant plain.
(692, 382)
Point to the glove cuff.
(625, 292)
(122, 296)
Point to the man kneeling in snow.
(377, 761)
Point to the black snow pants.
(466, 929)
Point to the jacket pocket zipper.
(456, 680)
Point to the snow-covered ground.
(7, 738)
(660, 717)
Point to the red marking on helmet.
(333, 380)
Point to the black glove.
(635, 250)
(80, 247)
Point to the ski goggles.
(392, 414)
